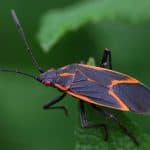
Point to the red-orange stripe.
(105, 69)
(98, 68)
(129, 81)
(84, 98)
(121, 103)
(115, 82)
(64, 67)
(123, 106)
(66, 74)
(61, 87)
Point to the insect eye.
(47, 83)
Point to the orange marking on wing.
(92, 67)
(115, 82)
(130, 81)
(66, 74)
(123, 106)
(61, 87)
(98, 68)
(64, 67)
(106, 69)
(81, 97)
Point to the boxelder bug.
(99, 86)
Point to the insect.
(99, 86)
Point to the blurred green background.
(23, 123)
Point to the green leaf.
(93, 138)
(56, 23)
(91, 61)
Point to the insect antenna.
(18, 72)
(23, 37)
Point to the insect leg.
(106, 59)
(54, 101)
(85, 124)
(115, 119)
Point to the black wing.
(110, 89)
(92, 92)
(136, 96)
